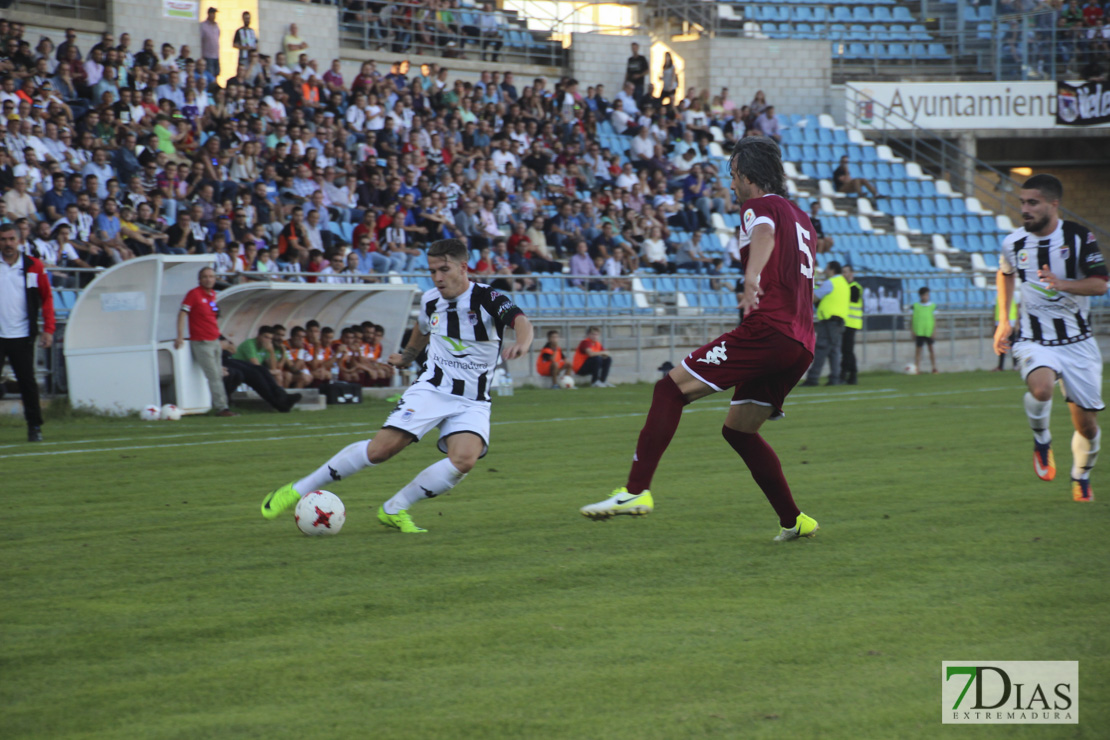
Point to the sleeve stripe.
(762, 220)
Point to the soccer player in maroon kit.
(761, 360)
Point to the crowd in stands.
(289, 171)
(1081, 33)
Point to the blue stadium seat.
(802, 13)
(881, 15)
(937, 51)
(897, 51)
(902, 13)
(919, 33)
(859, 33)
(842, 13)
(861, 14)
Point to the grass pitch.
(145, 597)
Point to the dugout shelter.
(119, 338)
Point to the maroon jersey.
(787, 280)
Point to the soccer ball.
(910, 369)
(150, 413)
(566, 380)
(171, 412)
(320, 512)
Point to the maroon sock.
(659, 428)
(767, 472)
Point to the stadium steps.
(311, 398)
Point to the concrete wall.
(316, 24)
(144, 19)
(796, 76)
(600, 58)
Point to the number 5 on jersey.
(806, 248)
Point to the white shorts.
(422, 409)
(1078, 366)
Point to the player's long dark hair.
(759, 159)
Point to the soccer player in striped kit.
(1059, 266)
(461, 324)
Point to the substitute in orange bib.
(591, 359)
(552, 363)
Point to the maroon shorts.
(762, 365)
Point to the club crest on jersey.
(749, 219)
(434, 321)
(716, 355)
(472, 317)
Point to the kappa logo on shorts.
(716, 355)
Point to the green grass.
(143, 596)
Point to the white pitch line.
(811, 400)
(302, 426)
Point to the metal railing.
(86, 10)
(943, 158)
(940, 41)
(419, 34)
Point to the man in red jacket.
(24, 293)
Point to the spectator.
(768, 124)
(200, 312)
(636, 72)
(582, 266)
(689, 256)
(246, 40)
(845, 183)
(590, 358)
(210, 42)
(489, 26)
(821, 242)
(292, 43)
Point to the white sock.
(1084, 455)
(343, 464)
(433, 480)
(1038, 413)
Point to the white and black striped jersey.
(1048, 316)
(464, 339)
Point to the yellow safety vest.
(855, 308)
(836, 302)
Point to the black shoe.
(34, 434)
(290, 401)
(831, 382)
(853, 381)
(810, 384)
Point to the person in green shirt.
(257, 362)
(923, 325)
